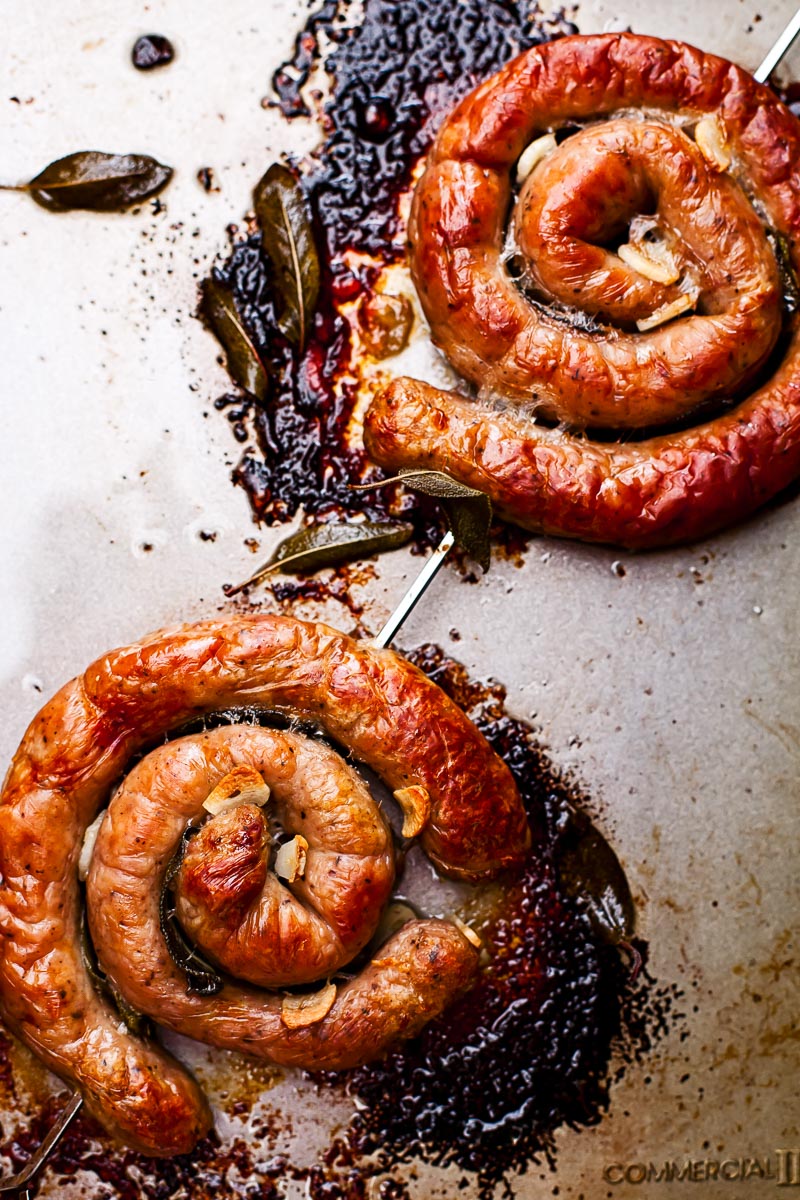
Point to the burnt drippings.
(152, 50)
(487, 1085)
(242, 1168)
(393, 78)
(554, 1019)
(789, 93)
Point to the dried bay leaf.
(245, 367)
(288, 240)
(789, 282)
(94, 180)
(135, 1021)
(327, 545)
(469, 511)
(202, 979)
(590, 872)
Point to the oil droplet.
(146, 541)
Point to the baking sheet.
(670, 689)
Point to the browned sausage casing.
(373, 703)
(543, 316)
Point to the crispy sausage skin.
(528, 298)
(666, 490)
(76, 751)
(231, 904)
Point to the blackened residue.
(152, 50)
(394, 77)
(207, 179)
(552, 1023)
(232, 1172)
(789, 93)
(487, 1086)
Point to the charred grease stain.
(485, 1087)
(394, 77)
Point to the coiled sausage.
(633, 283)
(370, 701)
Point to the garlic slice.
(396, 914)
(242, 785)
(290, 861)
(87, 849)
(712, 141)
(468, 932)
(660, 270)
(299, 1011)
(667, 312)
(415, 801)
(532, 155)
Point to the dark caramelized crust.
(384, 711)
(520, 353)
(225, 867)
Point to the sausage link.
(76, 750)
(233, 907)
(516, 312)
(653, 493)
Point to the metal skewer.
(21, 1182)
(778, 50)
(416, 591)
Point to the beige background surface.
(672, 690)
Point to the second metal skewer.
(22, 1182)
(416, 591)
(780, 48)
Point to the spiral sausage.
(682, 161)
(239, 913)
(384, 711)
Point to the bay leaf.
(327, 545)
(245, 367)
(135, 1021)
(202, 979)
(94, 180)
(789, 282)
(468, 511)
(288, 240)
(590, 873)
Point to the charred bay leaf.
(327, 545)
(137, 1022)
(469, 512)
(789, 283)
(97, 181)
(245, 367)
(590, 872)
(288, 240)
(201, 978)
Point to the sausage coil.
(274, 932)
(626, 278)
